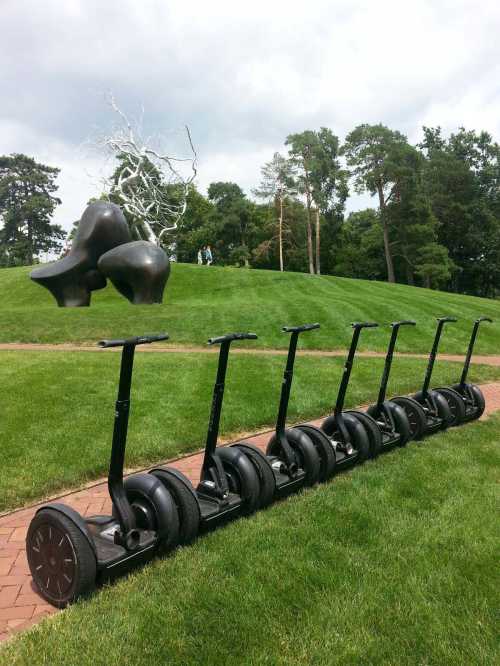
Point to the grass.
(57, 408)
(201, 301)
(393, 563)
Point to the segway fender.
(180, 477)
(75, 517)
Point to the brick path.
(20, 605)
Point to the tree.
(301, 149)
(379, 158)
(277, 184)
(27, 203)
(359, 250)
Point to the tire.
(305, 452)
(455, 403)
(264, 472)
(443, 409)
(479, 403)
(372, 430)
(415, 415)
(154, 508)
(400, 421)
(73, 574)
(185, 501)
(324, 449)
(357, 433)
(242, 478)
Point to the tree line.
(436, 222)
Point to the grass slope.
(389, 564)
(57, 408)
(202, 301)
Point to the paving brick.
(9, 595)
(17, 612)
(28, 599)
(19, 534)
(5, 565)
(13, 580)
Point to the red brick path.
(20, 605)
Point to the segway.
(391, 418)
(438, 415)
(229, 485)
(471, 394)
(347, 433)
(295, 457)
(68, 553)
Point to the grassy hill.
(201, 301)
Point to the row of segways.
(153, 512)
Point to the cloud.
(242, 75)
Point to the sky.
(241, 75)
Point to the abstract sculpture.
(139, 271)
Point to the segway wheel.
(324, 449)
(476, 409)
(400, 421)
(154, 508)
(372, 430)
(305, 452)
(61, 560)
(443, 409)
(242, 478)
(264, 472)
(455, 403)
(185, 501)
(414, 413)
(356, 431)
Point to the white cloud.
(242, 75)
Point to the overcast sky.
(242, 75)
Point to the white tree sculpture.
(142, 180)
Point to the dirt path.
(19, 346)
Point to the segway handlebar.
(364, 324)
(478, 321)
(300, 329)
(232, 336)
(446, 319)
(404, 322)
(139, 340)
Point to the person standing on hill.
(200, 257)
(208, 255)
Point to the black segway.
(295, 457)
(438, 415)
(471, 394)
(229, 485)
(67, 553)
(391, 418)
(346, 431)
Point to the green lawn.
(393, 563)
(57, 408)
(201, 301)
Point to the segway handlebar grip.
(480, 319)
(446, 319)
(232, 336)
(364, 324)
(404, 322)
(300, 329)
(139, 340)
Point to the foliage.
(27, 203)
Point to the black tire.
(415, 415)
(154, 508)
(476, 409)
(400, 421)
(185, 501)
(305, 452)
(443, 409)
(242, 478)
(357, 433)
(324, 449)
(264, 472)
(61, 560)
(372, 430)
(455, 403)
